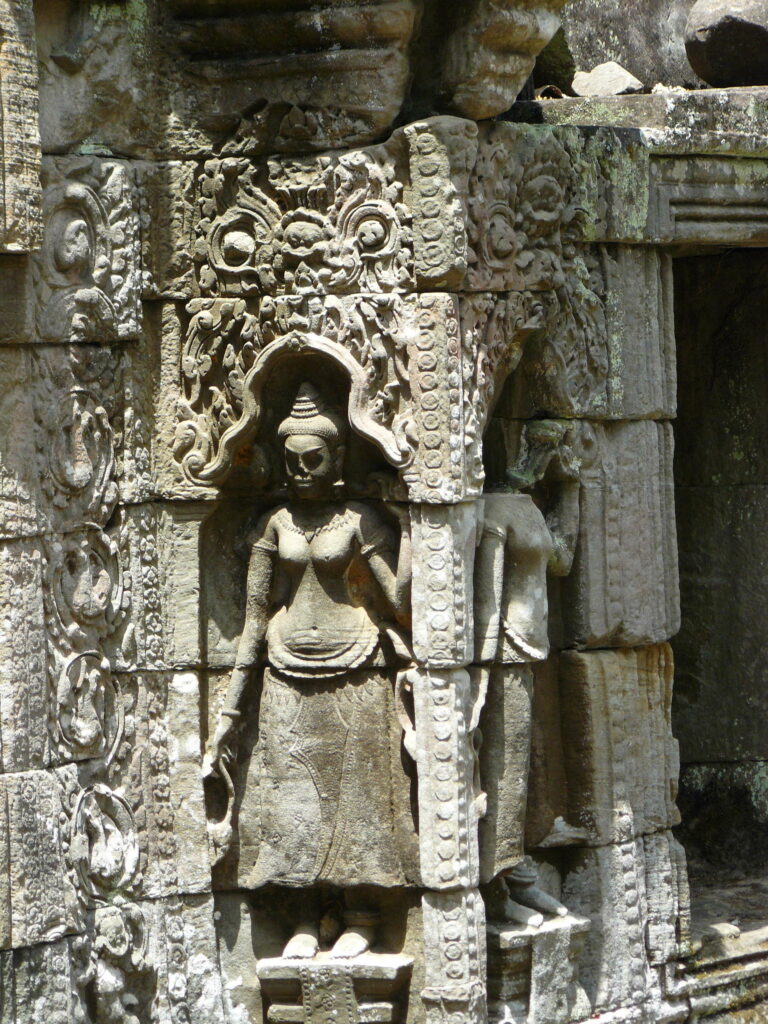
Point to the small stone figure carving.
(327, 607)
(116, 954)
(519, 545)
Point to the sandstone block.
(39, 889)
(158, 555)
(158, 764)
(449, 804)
(166, 197)
(24, 689)
(455, 956)
(607, 79)
(87, 278)
(20, 195)
(533, 973)
(636, 897)
(616, 359)
(39, 983)
(621, 762)
(623, 589)
(147, 958)
(444, 542)
(651, 43)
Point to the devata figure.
(327, 606)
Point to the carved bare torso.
(320, 627)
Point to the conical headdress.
(311, 415)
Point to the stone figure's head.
(313, 436)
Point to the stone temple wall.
(338, 555)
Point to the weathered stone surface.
(636, 896)
(727, 41)
(709, 201)
(158, 763)
(621, 591)
(166, 191)
(157, 553)
(491, 53)
(533, 973)
(616, 358)
(20, 196)
(87, 277)
(620, 760)
(455, 956)
(24, 690)
(608, 79)
(298, 80)
(444, 542)
(39, 894)
(288, 370)
(673, 121)
(650, 43)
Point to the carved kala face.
(312, 466)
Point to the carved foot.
(533, 899)
(353, 941)
(304, 943)
(526, 903)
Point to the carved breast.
(319, 630)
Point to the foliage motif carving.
(87, 276)
(74, 434)
(303, 227)
(229, 350)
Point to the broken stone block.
(727, 41)
(608, 79)
(533, 973)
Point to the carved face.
(312, 465)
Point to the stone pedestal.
(533, 975)
(360, 991)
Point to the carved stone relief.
(321, 456)
(87, 277)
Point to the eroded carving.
(87, 277)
